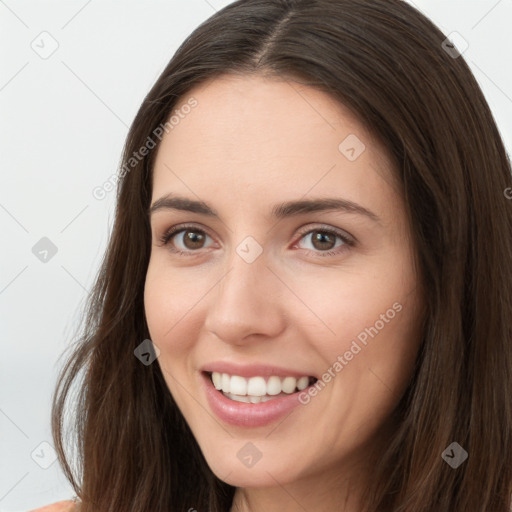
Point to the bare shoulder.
(59, 506)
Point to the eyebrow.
(279, 211)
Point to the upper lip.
(253, 370)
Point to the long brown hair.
(387, 63)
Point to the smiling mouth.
(258, 389)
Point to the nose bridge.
(246, 300)
(246, 265)
(247, 277)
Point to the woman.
(306, 302)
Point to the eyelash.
(348, 242)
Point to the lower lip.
(247, 415)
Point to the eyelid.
(347, 238)
(344, 235)
(166, 236)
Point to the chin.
(238, 462)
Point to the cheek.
(378, 351)
(165, 307)
(370, 318)
(348, 302)
(166, 304)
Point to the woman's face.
(292, 261)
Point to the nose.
(248, 302)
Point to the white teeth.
(256, 389)
(238, 385)
(302, 383)
(238, 398)
(289, 384)
(274, 385)
(249, 399)
(256, 386)
(217, 380)
(225, 382)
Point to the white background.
(63, 122)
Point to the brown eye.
(323, 240)
(193, 239)
(185, 239)
(326, 241)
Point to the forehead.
(264, 138)
(267, 113)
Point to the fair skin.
(251, 143)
